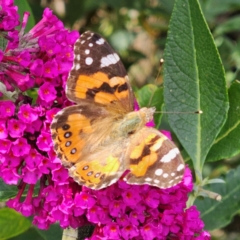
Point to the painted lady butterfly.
(102, 136)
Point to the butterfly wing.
(85, 145)
(102, 168)
(154, 160)
(98, 75)
(71, 129)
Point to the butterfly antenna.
(156, 79)
(196, 112)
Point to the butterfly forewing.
(72, 129)
(98, 75)
(83, 143)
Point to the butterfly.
(101, 137)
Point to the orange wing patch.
(97, 173)
(145, 154)
(66, 133)
(100, 87)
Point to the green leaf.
(31, 233)
(7, 191)
(193, 80)
(3, 43)
(218, 214)
(23, 6)
(227, 142)
(151, 96)
(54, 232)
(12, 223)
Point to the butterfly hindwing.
(154, 160)
(98, 75)
(101, 169)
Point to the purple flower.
(44, 141)
(158, 213)
(136, 217)
(10, 175)
(20, 147)
(9, 16)
(111, 231)
(3, 130)
(152, 198)
(5, 145)
(131, 196)
(36, 67)
(16, 128)
(130, 231)
(50, 69)
(33, 159)
(7, 109)
(149, 231)
(60, 175)
(84, 200)
(117, 208)
(27, 114)
(22, 64)
(47, 92)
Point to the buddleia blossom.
(41, 59)
(124, 211)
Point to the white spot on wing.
(156, 181)
(87, 51)
(109, 59)
(165, 175)
(78, 57)
(170, 155)
(173, 174)
(88, 60)
(100, 41)
(180, 167)
(90, 44)
(82, 42)
(77, 66)
(116, 57)
(159, 172)
(148, 179)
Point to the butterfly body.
(101, 137)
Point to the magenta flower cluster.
(41, 59)
(124, 211)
